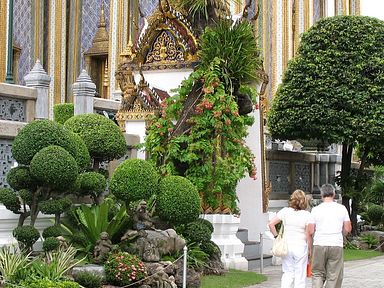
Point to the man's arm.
(347, 227)
(309, 231)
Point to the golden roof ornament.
(100, 42)
(129, 52)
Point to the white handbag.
(280, 247)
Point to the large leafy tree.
(333, 90)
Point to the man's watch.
(275, 236)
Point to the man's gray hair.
(327, 190)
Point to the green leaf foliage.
(197, 232)
(134, 179)
(91, 183)
(10, 200)
(27, 235)
(37, 135)
(333, 89)
(62, 112)
(20, 178)
(51, 231)
(89, 279)
(53, 166)
(178, 200)
(50, 244)
(102, 136)
(236, 45)
(55, 206)
(82, 157)
(47, 283)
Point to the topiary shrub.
(27, 235)
(20, 178)
(62, 112)
(134, 179)
(375, 214)
(122, 269)
(88, 279)
(102, 136)
(91, 183)
(10, 200)
(37, 135)
(53, 166)
(178, 200)
(51, 231)
(206, 223)
(26, 196)
(210, 248)
(197, 232)
(55, 206)
(83, 159)
(51, 243)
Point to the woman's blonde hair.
(298, 200)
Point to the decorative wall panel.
(278, 175)
(11, 109)
(303, 176)
(6, 161)
(22, 29)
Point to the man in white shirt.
(331, 221)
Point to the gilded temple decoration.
(167, 42)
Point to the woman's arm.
(275, 220)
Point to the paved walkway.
(368, 273)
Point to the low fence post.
(185, 266)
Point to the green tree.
(333, 91)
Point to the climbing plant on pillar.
(200, 131)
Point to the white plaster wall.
(136, 128)
(249, 191)
(165, 79)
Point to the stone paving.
(368, 273)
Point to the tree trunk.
(345, 174)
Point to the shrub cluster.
(51, 231)
(9, 199)
(375, 214)
(51, 243)
(62, 112)
(54, 206)
(91, 183)
(178, 200)
(197, 232)
(46, 283)
(20, 178)
(122, 269)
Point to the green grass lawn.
(350, 254)
(233, 279)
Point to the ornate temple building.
(137, 51)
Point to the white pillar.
(83, 92)
(39, 79)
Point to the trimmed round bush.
(375, 214)
(37, 135)
(206, 223)
(62, 112)
(51, 243)
(55, 167)
(27, 235)
(9, 199)
(53, 206)
(134, 179)
(122, 269)
(26, 196)
(82, 157)
(20, 178)
(178, 201)
(102, 136)
(210, 248)
(88, 279)
(91, 183)
(197, 232)
(51, 231)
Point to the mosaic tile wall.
(303, 176)
(148, 6)
(316, 10)
(22, 29)
(90, 21)
(6, 161)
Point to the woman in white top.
(299, 241)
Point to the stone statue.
(63, 243)
(141, 219)
(102, 248)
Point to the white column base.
(224, 236)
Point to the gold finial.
(106, 78)
(102, 16)
(129, 52)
